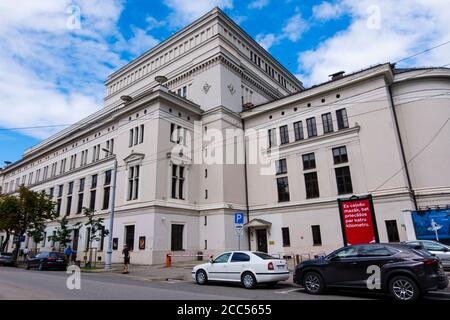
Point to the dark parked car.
(6, 259)
(405, 273)
(48, 260)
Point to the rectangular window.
(327, 122)
(272, 136)
(81, 189)
(58, 207)
(392, 231)
(69, 205)
(340, 155)
(205, 222)
(317, 238)
(172, 132)
(177, 182)
(281, 166)
(177, 237)
(343, 180)
(94, 181)
(298, 130)
(80, 203)
(92, 199)
(286, 237)
(309, 161)
(108, 177)
(70, 191)
(130, 144)
(133, 182)
(52, 193)
(284, 134)
(141, 134)
(311, 127)
(311, 185)
(283, 189)
(106, 192)
(129, 237)
(60, 190)
(342, 120)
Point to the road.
(18, 283)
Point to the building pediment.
(134, 158)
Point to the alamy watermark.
(73, 281)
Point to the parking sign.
(239, 218)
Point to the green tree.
(97, 229)
(62, 233)
(33, 211)
(9, 206)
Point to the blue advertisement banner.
(432, 225)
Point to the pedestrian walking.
(68, 253)
(25, 254)
(73, 257)
(126, 259)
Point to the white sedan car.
(247, 267)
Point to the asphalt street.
(18, 283)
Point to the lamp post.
(108, 260)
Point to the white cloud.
(153, 23)
(186, 11)
(327, 11)
(52, 74)
(141, 41)
(295, 27)
(258, 4)
(388, 31)
(267, 40)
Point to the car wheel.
(248, 280)
(403, 288)
(313, 283)
(201, 278)
(41, 267)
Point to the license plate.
(281, 266)
(60, 260)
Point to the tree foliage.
(28, 212)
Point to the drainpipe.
(405, 164)
(246, 182)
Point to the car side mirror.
(211, 261)
(445, 250)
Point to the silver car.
(440, 250)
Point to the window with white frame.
(177, 186)
(133, 182)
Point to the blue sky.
(53, 69)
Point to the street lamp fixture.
(108, 260)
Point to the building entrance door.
(76, 235)
(261, 238)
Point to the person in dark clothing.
(126, 258)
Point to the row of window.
(80, 194)
(311, 128)
(391, 228)
(50, 171)
(343, 178)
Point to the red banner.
(358, 221)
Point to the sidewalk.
(181, 271)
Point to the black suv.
(403, 272)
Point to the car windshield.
(263, 256)
(56, 255)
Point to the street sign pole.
(239, 225)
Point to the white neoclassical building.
(176, 117)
